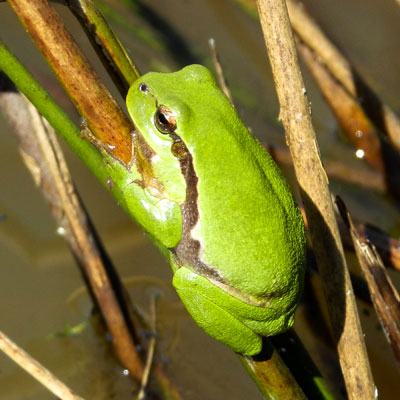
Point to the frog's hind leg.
(196, 293)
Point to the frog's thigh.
(215, 320)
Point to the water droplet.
(83, 122)
(109, 183)
(61, 231)
(360, 153)
(111, 146)
(304, 90)
(359, 134)
(125, 372)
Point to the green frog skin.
(218, 207)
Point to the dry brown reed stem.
(384, 295)
(44, 159)
(387, 246)
(310, 33)
(357, 127)
(313, 182)
(150, 350)
(339, 171)
(271, 374)
(104, 117)
(36, 370)
(218, 70)
(359, 130)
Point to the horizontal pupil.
(162, 119)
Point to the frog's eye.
(165, 120)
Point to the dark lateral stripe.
(188, 249)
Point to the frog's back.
(249, 225)
(249, 219)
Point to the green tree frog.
(218, 206)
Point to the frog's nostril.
(143, 88)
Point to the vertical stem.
(271, 375)
(300, 136)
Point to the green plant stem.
(46, 105)
(102, 165)
(98, 163)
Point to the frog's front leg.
(199, 295)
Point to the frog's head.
(166, 109)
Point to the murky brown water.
(39, 283)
